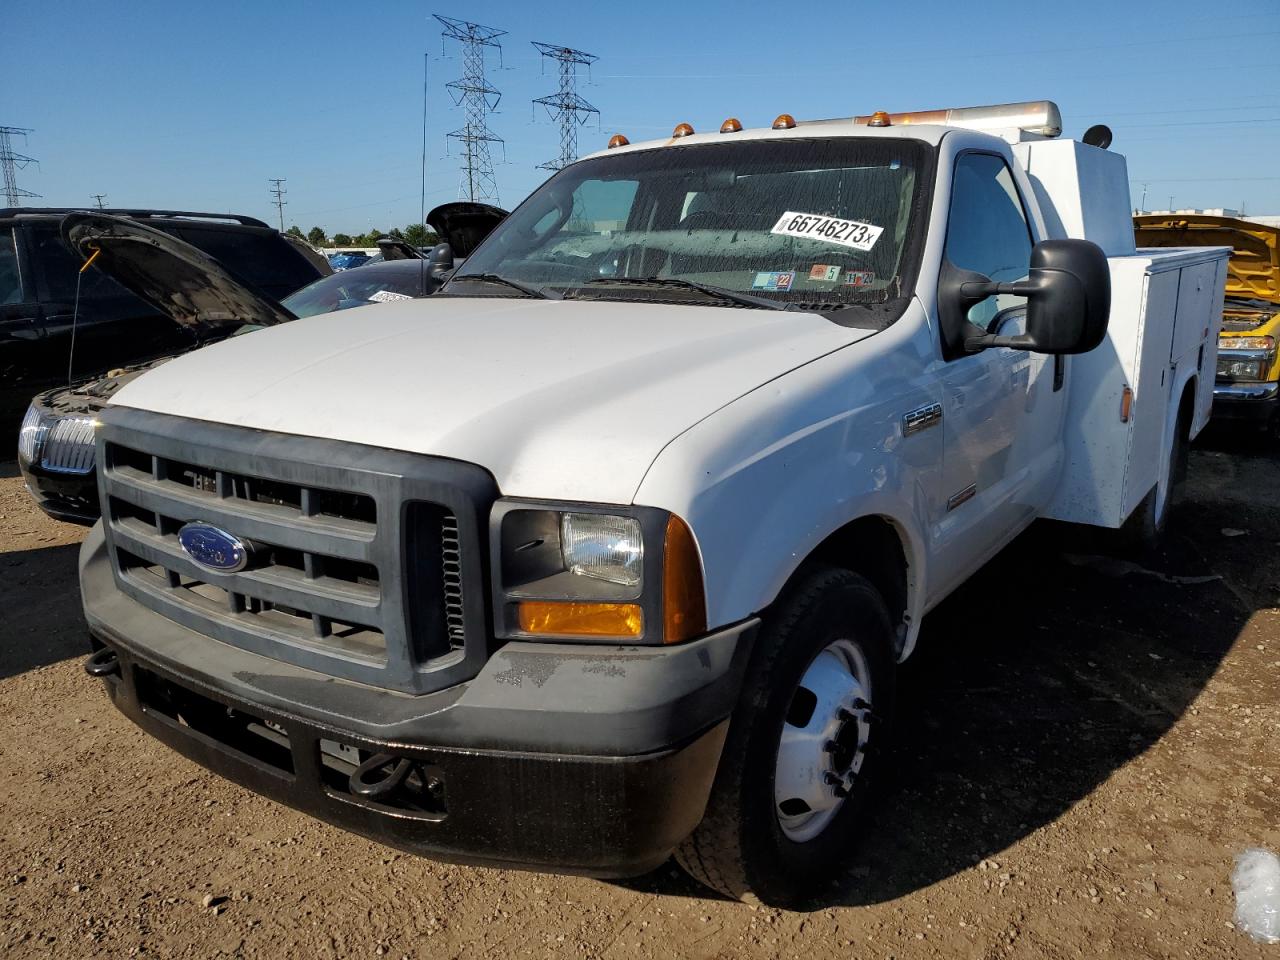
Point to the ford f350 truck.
(610, 549)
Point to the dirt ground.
(1086, 743)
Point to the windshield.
(824, 222)
(372, 283)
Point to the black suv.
(113, 328)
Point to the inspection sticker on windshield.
(386, 296)
(774, 280)
(846, 233)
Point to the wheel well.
(1187, 405)
(873, 548)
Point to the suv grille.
(363, 563)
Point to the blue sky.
(196, 105)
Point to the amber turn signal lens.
(568, 619)
(785, 121)
(731, 126)
(682, 130)
(1126, 403)
(618, 140)
(879, 119)
(684, 599)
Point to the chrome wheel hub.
(824, 740)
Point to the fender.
(768, 478)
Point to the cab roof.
(1010, 122)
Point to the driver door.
(1002, 408)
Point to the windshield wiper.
(720, 293)
(506, 282)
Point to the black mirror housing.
(440, 261)
(1068, 295)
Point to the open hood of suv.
(182, 282)
(463, 224)
(1253, 272)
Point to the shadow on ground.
(40, 617)
(1050, 670)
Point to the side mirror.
(440, 261)
(1068, 296)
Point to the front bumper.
(594, 761)
(1250, 402)
(72, 498)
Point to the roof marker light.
(682, 130)
(879, 119)
(618, 140)
(731, 126)
(785, 121)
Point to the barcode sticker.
(845, 233)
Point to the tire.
(746, 847)
(1145, 529)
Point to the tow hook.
(102, 663)
(373, 781)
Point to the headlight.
(1266, 344)
(1232, 368)
(1245, 358)
(31, 435)
(580, 573)
(602, 546)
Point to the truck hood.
(559, 400)
(1253, 272)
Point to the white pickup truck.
(611, 548)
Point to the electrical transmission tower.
(478, 99)
(98, 198)
(9, 162)
(277, 197)
(565, 106)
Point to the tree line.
(416, 234)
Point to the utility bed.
(1166, 312)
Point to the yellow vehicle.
(1247, 380)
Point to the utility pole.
(99, 197)
(9, 162)
(478, 99)
(277, 193)
(565, 106)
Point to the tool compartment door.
(1150, 384)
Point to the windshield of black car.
(822, 220)
(371, 283)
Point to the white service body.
(768, 432)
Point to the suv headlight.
(582, 572)
(31, 435)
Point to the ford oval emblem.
(212, 548)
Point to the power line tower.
(277, 197)
(98, 198)
(565, 106)
(478, 99)
(9, 162)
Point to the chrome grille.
(451, 574)
(343, 540)
(68, 446)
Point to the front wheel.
(804, 746)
